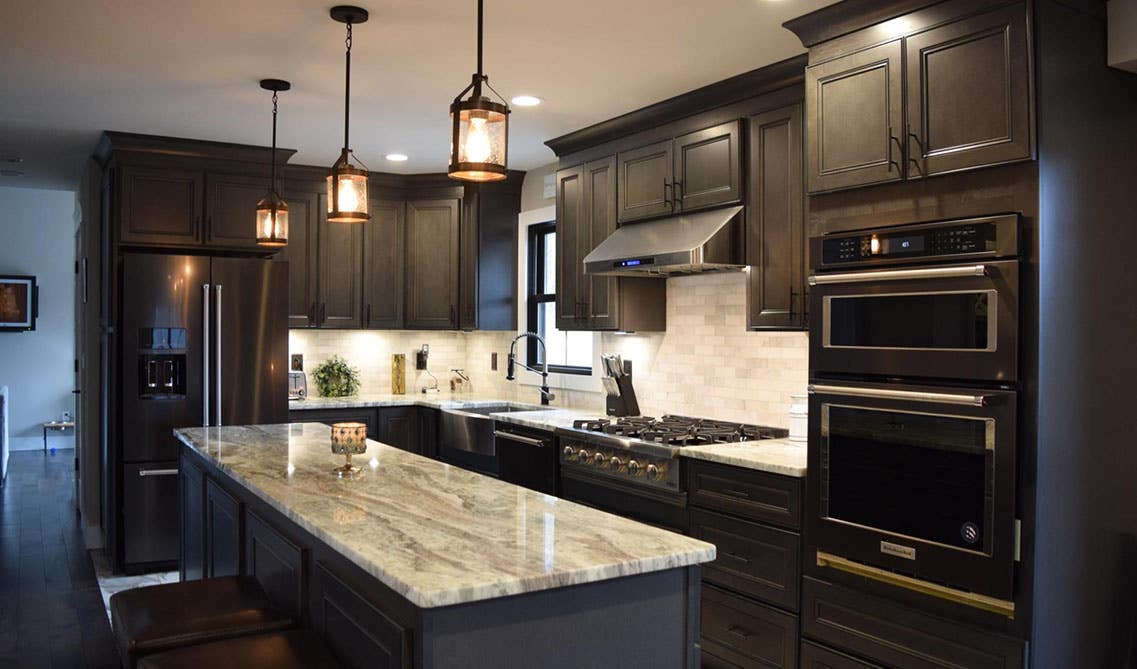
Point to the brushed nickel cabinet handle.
(903, 395)
(961, 271)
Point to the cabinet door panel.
(570, 224)
(775, 234)
(468, 259)
(969, 92)
(341, 275)
(855, 106)
(302, 257)
(277, 564)
(599, 294)
(383, 265)
(359, 634)
(432, 264)
(230, 210)
(193, 522)
(222, 531)
(708, 167)
(398, 427)
(160, 206)
(645, 182)
(746, 633)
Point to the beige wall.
(533, 188)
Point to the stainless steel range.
(630, 465)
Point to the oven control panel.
(621, 463)
(995, 236)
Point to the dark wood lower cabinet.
(756, 560)
(192, 490)
(398, 426)
(222, 532)
(428, 432)
(746, 633)
(277, 563)
(359, 634)
(749, 494)
(814, 656)
(329, 416)
(897, 635)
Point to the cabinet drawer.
(746, 633)
(896, 635)
(820, 657)
(756, 560)
(329, 416)
(769, 498)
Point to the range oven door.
(915, 481)
(945, 322)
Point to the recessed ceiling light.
(11, 173)
(397, 157)
(526, 100)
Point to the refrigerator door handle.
(217, 356)
(205, 357)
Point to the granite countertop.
(436, 534)
(777, 456)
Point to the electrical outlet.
(298, 362)
(493, 361)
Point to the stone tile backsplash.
(706, 364)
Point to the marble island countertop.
(436, 534)
(777, 456)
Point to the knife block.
(398, 374)
(624, 404)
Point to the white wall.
(37, 237)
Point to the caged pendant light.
(347, 184)
(272, 211)
(479, 128)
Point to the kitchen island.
(416, 563)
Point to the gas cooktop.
(678, 431)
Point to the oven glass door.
(923, 476)
(950, 322)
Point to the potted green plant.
(335, 378)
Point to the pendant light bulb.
(479, 128)
(347, 183)
(272, 210)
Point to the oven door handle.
(973, 599)
(539, 443)
(903, 395)
(959, 271)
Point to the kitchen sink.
(488, 409)
(466, 433)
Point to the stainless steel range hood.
(709, 241)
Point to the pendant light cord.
(273, 162)
(480, 75)
(347, 89)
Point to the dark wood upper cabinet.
(432, 264)
(468, 261)
(708, 167)
(570, 265)
(855, 107)
(969, 93)
(599, 294)
(341, 275)
(775, 228)
(383, 265)
(301, 253)
(230, 206)
(160, 206)
(645, 180)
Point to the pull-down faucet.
(546, 395)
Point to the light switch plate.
(297, 362)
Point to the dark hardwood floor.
(51, 612)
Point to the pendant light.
(347, 184)
(479, 128)
(272, 211)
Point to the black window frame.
(536, 295)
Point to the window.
(568, 352)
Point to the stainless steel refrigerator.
(202, 341)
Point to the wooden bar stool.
(294, 649)
(160, 618)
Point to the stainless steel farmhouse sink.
(466, 433)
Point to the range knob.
(616, 462)
(634, 468)
(569, 452)
(585, 456)
(599, 459)
(654, 472)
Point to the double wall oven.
(914, 350)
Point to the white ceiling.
(190, 69)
